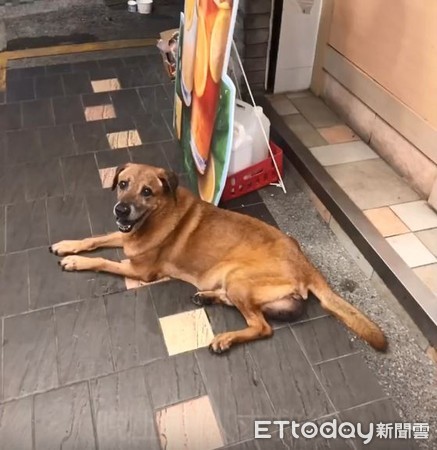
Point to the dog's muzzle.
(126, 217)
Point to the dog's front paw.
(221, 343)
(65, 248)
(74, 263)
(200, 299)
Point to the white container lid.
(132, 2)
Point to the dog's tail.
(356, 321)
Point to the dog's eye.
(123, 184)
(146, 192)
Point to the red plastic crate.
(254, 177)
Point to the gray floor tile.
(38, 113)
(372, 183)
(316, 112)
(237, 394)
(323, 339)
(18, 145)
(26, 225)
(12, 188)
(49, 285)
(172, 297)
(100, 206)
(10, 117)
(77, 83)
(346, 152)
(19, 90)
(68, 110)
(127, 103)
(63, 419)
(57, 141)
(136, 335)
(225, 318)
(123, 415)
(152, 128)
(288, 377)
(90, 136)
(150, 154)
(110, 158)
(155, 98)
(373, 413)
(44, 179)
(313, 310)
(84, 348)
(14, 275)
(174, 156)
(80, 174)
(68, 218)
(2, 228)
(349, 382)
(173, 380)
(16, 425)
(304, 130)
(29, 354)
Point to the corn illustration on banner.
(204, 93)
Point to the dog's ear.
(170, 182)
(117, 173)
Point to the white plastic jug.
(247, 115)
(241, 153)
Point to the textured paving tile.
(150, 154)
(174, 379)
(29, 354)
(172, 297)
(386, 221)
(373, 413)
(67, 218)
(123, 123)
(106, 74)
(16, 425)
(189, 425)
(186, 331)
(304, 397)
(429, 238)
(131, 77)
(304, 130)
(108, 158)
(90, 137)
(127, 102)
(58, 68)
(57, 141)
(19, 90)
(100, 112)
(349, 382)
(77, 83)
(111, 84)
(14, 283)
(49, 86)
(330, 155)
(68, 110)
(84, 66)
(372, 184)
(416, 215)
(84, 348)
(238, 400)
(282, 105)
(111, 62)
(26, 226)
(123, 415)
(174, 156)
(338, 134)
(123, 139)
(96, 99)
(63, 419)
(136, 336)
(316, 112)
(411, 250)
(23, 146)
(107, 176)
(100, 206)
(80, 174)
(48, 285)
(10, 117)
(428, 274)
(155, 98)
(151, 128)
(25, 72)
(323, 339)
(43, 179)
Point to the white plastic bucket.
(132, 6)
(241, 153)
(144, 6)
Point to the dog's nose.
(122, 210)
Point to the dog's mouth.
(126, 226)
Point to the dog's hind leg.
(63, 248)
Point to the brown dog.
(165, 231)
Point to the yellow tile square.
(386, 221)
(111, 84)
(123, 139)
(186, 331)
(338, 134)
(100, 112)
(189, 425)
(107, 176)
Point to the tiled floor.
(94, 361)
(407, 222)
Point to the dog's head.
(141, 191)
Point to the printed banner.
(204, 93)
